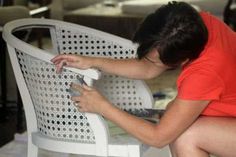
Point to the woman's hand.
(75, 61)
(89, 100)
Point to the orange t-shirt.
(212, 76)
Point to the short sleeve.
(202, 85)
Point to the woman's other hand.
(89, 100)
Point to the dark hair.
(176, 30)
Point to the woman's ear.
(153, 54)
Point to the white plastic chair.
(53, 123)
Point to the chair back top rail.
(38, 22)
(16, 25)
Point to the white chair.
(53, 123)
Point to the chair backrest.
(123, 92)
(46, 100)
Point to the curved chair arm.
(39, 53)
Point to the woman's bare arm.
(131, 68)
(179, 116)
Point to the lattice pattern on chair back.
(88, 44)
(56, 115)
(123, 92)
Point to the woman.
(201, 119)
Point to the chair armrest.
(42, 54)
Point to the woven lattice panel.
(57, 117)
(84, 43)
(120, 91)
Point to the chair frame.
(102, 147)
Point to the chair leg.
(32, 150)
